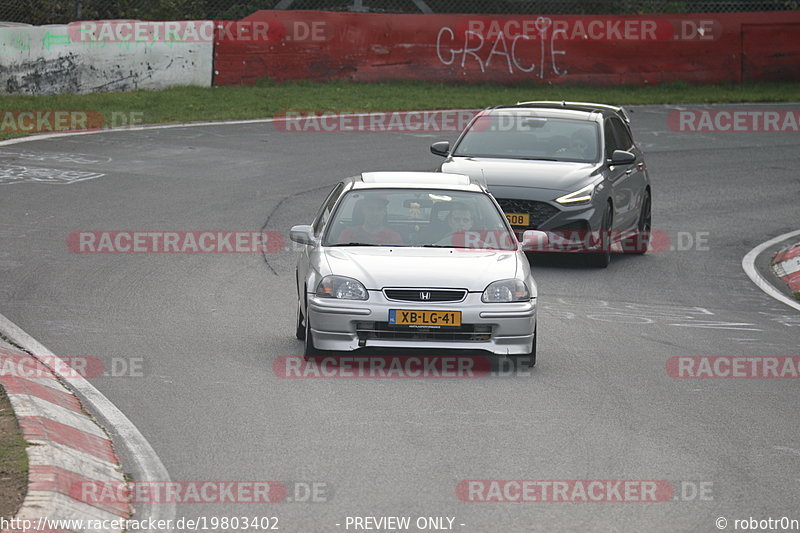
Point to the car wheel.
(309, 350)
(602, 257)
(640, 241)
(527, 359)
(300, 332)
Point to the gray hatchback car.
(414, 260)
(569, 169)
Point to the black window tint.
(530, 137)
(624, 141)
(610, 139)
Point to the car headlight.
(506, 290)
(581, 196)
(341, 288)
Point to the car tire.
(309, 350)
(300, 331)
(602, 258)
(639, 242)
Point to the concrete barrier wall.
(60, 59)
(601, 50)
(291, 45)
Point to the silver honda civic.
(414, 260)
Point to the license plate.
(519, 219)
(404, 317)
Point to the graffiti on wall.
(58, 59)
(531, 52)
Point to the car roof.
(585, 110)
(425, 180)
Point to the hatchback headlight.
(581, 196)
(506, 290)
(341, 288)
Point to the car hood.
(554, 175)
(379, 267)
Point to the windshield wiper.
(506, 156)
(370, 244)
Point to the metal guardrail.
(64, 11)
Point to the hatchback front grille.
(425, 295)
(540, 212)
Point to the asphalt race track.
(599, 405)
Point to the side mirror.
(534, 240)
(622, 157)
(441, 148)
(303, 234)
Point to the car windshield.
(418, 217)
(529, 137)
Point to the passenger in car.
(369, 218)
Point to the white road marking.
(749, 266)
(787, 449)
(644, 314)
(10, 174)
(125, 434)
(742, 326)
(58, 157)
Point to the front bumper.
(571, 228)
(345, 325)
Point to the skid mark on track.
(275, 209)
(783, 319)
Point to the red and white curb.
(786, 265)
(749, 266)
(66, 447)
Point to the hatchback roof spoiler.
(577, 106)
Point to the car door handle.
(629, 171)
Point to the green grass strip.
(188, 104)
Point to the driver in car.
(459, 220)
(580, 146)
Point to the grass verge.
(187, 104)
(13, 461)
